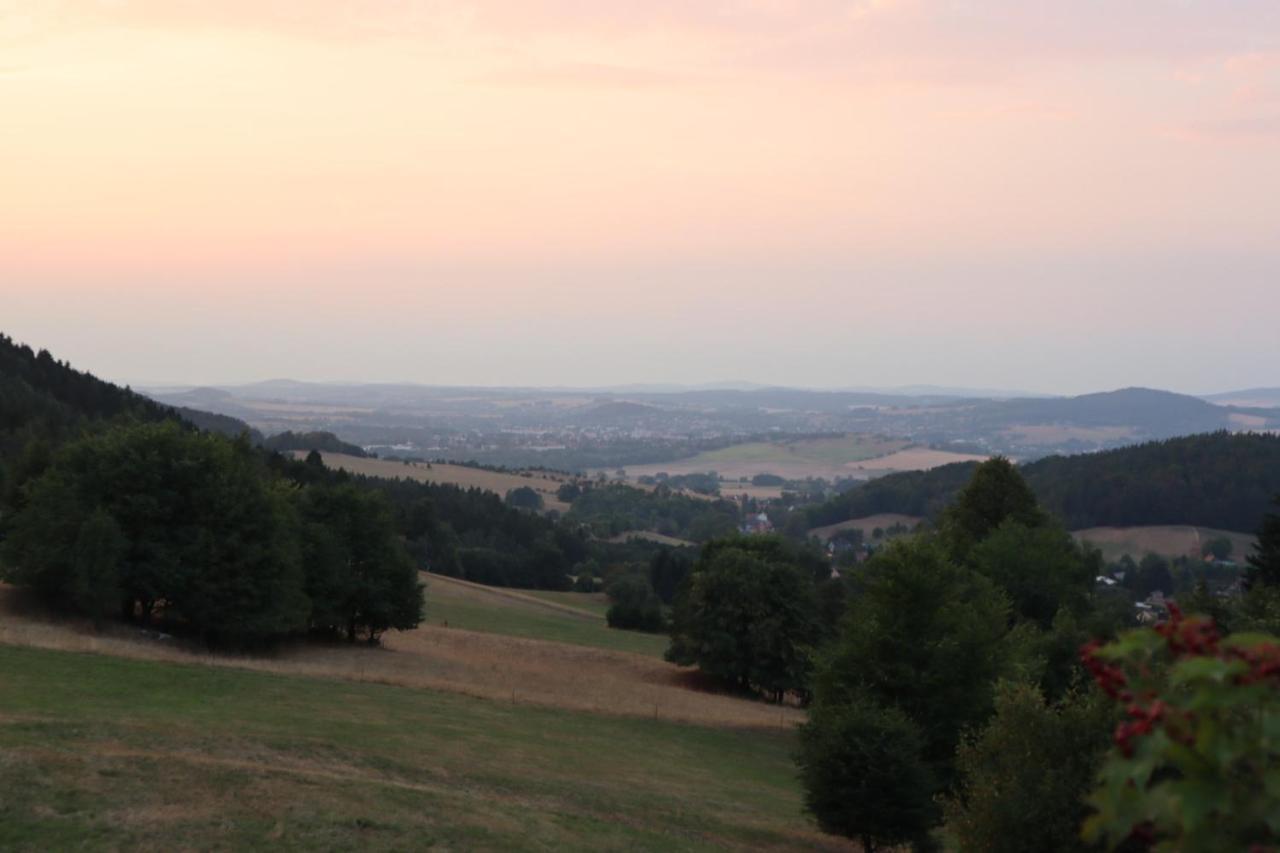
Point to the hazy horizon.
(1057, 198)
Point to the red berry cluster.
(1184, 638)
(1188, 637)
(1110, 677)
(1263, 661)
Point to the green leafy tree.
(922, 635)
(634, 604)
(1264, 562)
(861, 767)
(358, 573)
(667, 570)
(524, 497)
(995, 494)
(1023, 778)
(95, 576)
(1196, 764)
(1219, 547)
(1040, 568)
(746, 615)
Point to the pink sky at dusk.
(1059, 196)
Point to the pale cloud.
(1253, 127)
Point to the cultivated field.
(653, 536)
(1060, 433)
(867, 525)
(109, 753)
(911, 459)
(1167, 541)
(830, 457)
(747, 490)
(458, 475)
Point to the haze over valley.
(640, 425)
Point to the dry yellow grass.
(1166, 540)
(760, 493)
(653, 536)
(831, 458)
(488, 666)
(867, 524)
(911, 459)
(459, 475)
(515, 595)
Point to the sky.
(1039, 194)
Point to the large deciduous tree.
(358, 574)
(864, 778)
(747, 616)
(923, 635)
(997, 493)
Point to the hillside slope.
(1219, 480)
(106, 753)
(42, 398)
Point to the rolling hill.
(1218, 480)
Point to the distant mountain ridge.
(1257, 397)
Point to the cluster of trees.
(325, 442)
(613, 508)
(155, 519)
(704, 483)
(524, 497)
(471, 533)
(748, 614)
(947, 700)
(951, 705)
(1221, 480)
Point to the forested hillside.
(1219, 480)
(47, 407)
(46, 400)
(325, 442)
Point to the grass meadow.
(110, 753)
(563, 617)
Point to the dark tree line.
(325, 442)
(154, 520)
(614, 508)
(1220, 480)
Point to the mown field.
(108, 753)
(830, 457)
(459, 475)
(1114, 542)
(497, 644)
(867, 525)
(563, 617)
(1165, 540)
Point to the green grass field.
(793, 460)
(108, 753)
(834, 450)
(498, 612)
(592, 602)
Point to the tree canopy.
(747, 616)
